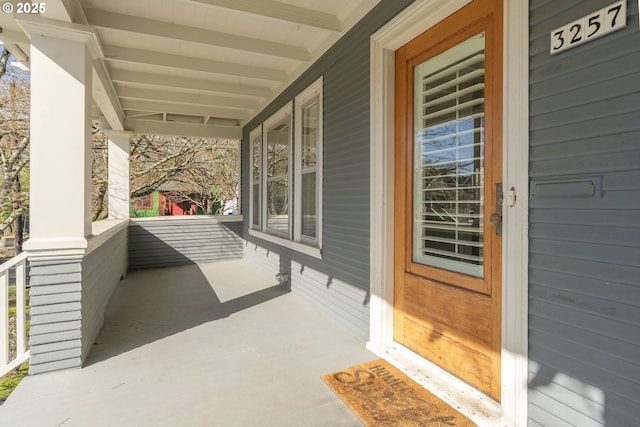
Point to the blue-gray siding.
(102, 269)
(68, 300)
(345, 252)
(173, 241)
(584, 290)
(346, 303)
(56, 302)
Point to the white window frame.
(256, 133)
(276, 118)
(312, 92)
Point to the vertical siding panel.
(584, 292)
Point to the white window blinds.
(449, 159)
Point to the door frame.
(414, 20)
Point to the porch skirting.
(69, 294)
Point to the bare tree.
(198, 170)
(211, 181)
(99, 173)
(4, 60)
(14, 149)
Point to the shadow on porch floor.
(203, 345)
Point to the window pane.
(309, 134)
(449, 159)
(256, 177)
(256, 204)
(309, 227)
(257, 151)
(278, 205)
(278, 150)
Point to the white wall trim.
(296, 246)
(103, 231)
(169, 218)
(413, 21)
(515, 252)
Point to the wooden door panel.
(468, 364)
(450, 315)
(450, 311)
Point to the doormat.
(381, 395)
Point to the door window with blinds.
(448, 184)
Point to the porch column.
(118, 188)
(60, 182)
(60, 188)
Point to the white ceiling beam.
(65, 10)
(105, 97)
(163, 81)
(148, 27)
(10, 37)
(159, 59)
(10, 40)
(138, 114)
(154, 127)
(187, 98)
(281, 11)
(192, 110)
(16, 51)
(102, 89)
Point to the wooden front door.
(448, 162)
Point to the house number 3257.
(590, 27)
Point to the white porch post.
(62, 55)
(60, 183)
(118, 189)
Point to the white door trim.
(413, 21)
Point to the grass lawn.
(10, 381)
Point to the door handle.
(496, 217)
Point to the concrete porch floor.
(214, 344)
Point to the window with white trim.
(308, 165)
(278, 168)
(255, 190)
(277, 177)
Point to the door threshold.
(472, 403)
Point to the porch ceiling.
(195, 67)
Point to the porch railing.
(13, 338)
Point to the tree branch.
(4, 59)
